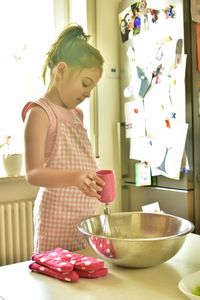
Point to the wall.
(16, 188)
(108, 89)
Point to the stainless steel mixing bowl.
(135, 239)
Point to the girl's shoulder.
(26, 108)
(39, 103)
(55, 112)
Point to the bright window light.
(27, 30)
(78, 14)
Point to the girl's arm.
(36, 128)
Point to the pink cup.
(108, 192)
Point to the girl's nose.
(87, 94)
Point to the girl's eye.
(85, 84)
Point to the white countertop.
(17, 282)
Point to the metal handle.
(122, 155)
(119, 152)
(107, 209)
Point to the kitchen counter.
(17, 282)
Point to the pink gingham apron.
(57, 211)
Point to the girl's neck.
(54, 97)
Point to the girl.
(58, 153)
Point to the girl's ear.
(60, 68)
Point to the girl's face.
(74, 86)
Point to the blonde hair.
(73, 48)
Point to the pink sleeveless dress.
(57, 211)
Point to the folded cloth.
(55, 259)
(70, 276)
(92, 274)
(62, 260)
(86, 263)
(67, 266)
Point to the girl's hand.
(90, 184)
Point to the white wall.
(108, 89)
(16, 188)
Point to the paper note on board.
(177, 90)
(147, 150)
(164, 154)
(134, 118)
(143, 174)
(174, 141)
(151, 208)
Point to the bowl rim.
(183, 234)
(182, 287)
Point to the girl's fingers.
(99, 181)
(92, 184)
(95, 187)
(88, 192)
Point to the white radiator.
(16, 231)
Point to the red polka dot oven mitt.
(70, 276)
(67, 266)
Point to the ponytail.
(73, 48)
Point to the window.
(78, 14)
(27, 29)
